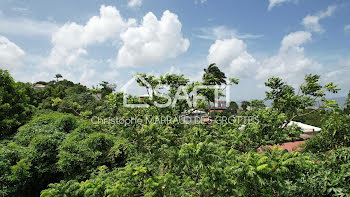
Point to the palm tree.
(58, 76)
(214, 76)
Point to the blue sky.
(88, 41)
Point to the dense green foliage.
(312, 117)
(334, 134)
(52, 147)
(347, 104)
(65, 149)
(14, 105)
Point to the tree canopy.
(14, 105)
(62, 141)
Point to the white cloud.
(294, 40)
(347, 28)
(135, 3)
(273, 3)
(339, 74)
(153, 41)
(311, 22)
(87, 76)
(232, 55)
(290, 63)
(71, 40)
(174, 70)
(25, 26)
(195, 76)
(223, 32)
(10, 54)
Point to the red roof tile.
(290, 146)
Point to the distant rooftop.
(289, 146)
(306, 128)
(39, 86)
(220, 105)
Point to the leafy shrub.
(335, 133)
(81, 153)
(66, 123)
(331, 176)
(31, 161)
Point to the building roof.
(144, 96)
(289, 146)
(39, 85)
(198, 112)
(305, 127)
(207, 120)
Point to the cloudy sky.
(88, 41)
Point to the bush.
(66, 123)
(81, 153)
(335, 133)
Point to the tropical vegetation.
(55, 141)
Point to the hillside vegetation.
(52, 143)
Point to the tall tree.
(293, 104)
(57, 76)
(233, 108)
(14, 105)
(107, 88)
(213, 76)
(257, 104)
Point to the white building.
(308, 130)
